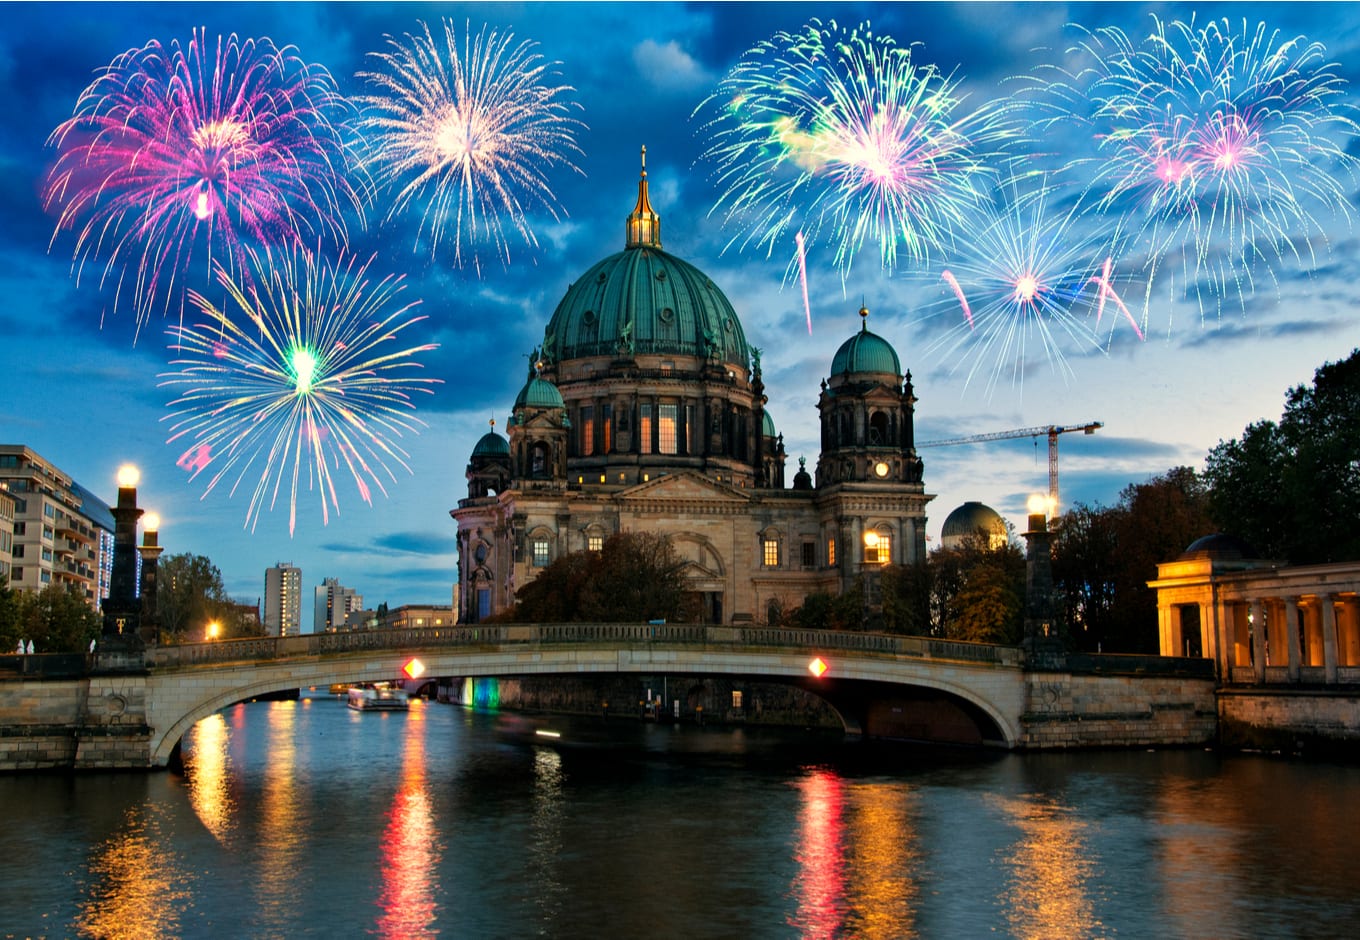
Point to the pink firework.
(189, 154)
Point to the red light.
(818, 667)
(414, 669)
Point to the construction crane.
(1050, 431)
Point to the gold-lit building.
(645, 410)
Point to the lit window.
(736, 698)
(644, 429)
(540, 549)
(667, 418)
(595, 543)
(771, 553)
(607, 428)
(831, 553)
(877, 548)
(587, 431)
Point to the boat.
(378, 698)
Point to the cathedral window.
(644, 429)
(831, 552)
(667, 417)
(770, 553)
(809, 554)
(587, 430)
(877, 547)
(606, 428)
(540, 553)
(595, 543)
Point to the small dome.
(1221, 546)
(969, 519)
(491, 445)
(866, 352)
(802, 480)
(538, 392)
(767, 425)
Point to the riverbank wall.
(1309, 722)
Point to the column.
(1258, 639)
(1226, 645)
(1328, 637)
(1168, 637)
(1291, 625)
(1208, 632)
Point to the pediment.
(686, 486)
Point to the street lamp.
(121, 608)
(214, 628)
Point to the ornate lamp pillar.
(122, 609)
(150, 552)
(1041, 626)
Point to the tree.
(635, 576)
(1292, 489)
(1104, 557)
(58, 619)
(190, 595)
(9, 616)
(977, 592)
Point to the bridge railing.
(473, 635)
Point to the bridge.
(133, 711)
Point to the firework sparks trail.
(842, 135)
(187, 154)
(802, 278)
(1108, 291)
(471, 135)
(1023, 277)
(293, 380)
(1221, 149)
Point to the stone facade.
(1066, 710)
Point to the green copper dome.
(767, 425)
(491, 445)
(538, 392)
(866, 352)
(644, 300)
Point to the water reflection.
(545, 847)
(281, 840)
(882, 863)
(139, 888)
(410, 847)
(818, 886)
(1049, 869)
(207, 771)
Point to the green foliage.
(906, 593)
(1292, 489)
(1104, 557)
(9, 617)
(636, 576)
(825, 611)
(58, 619)
(976, 593)
(190, 595)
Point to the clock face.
(881, 469)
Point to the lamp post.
(122, 609)
(1041, 627)
(150, 552)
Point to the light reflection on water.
(307, 819)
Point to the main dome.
(642, 301)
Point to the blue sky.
(86, 397)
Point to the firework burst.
(1024, 279)
(1215, 152)
(296, 380)
(193, 153)
(842, 135)
(469, 136)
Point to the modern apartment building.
(332, 604)
(283, 600)
(61, 533)
(6, 532)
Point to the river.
(306, 818)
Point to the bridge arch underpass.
(876, 693)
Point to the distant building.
(420, 616)
(6, 532)
(974, 519)
(283, 600)
(332, 604)
(60, 534)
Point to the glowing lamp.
(1037, 504)
(871, 539)
(213, 630)
(128, 475)
(414, 669)
(818, 667)
(151, 522)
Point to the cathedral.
(644, 410)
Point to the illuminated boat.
(378, 699)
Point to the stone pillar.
(1328, 637)
(1041, 625)
(1168, 634)
(1208, 631)
(1291, 626)
(122, 608)
(1258, 639)
(1226, 640)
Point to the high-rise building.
(61, 532)
(332, 605)
(283, 600)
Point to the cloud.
(394, 544)
(668, 67)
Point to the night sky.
(84, 389)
